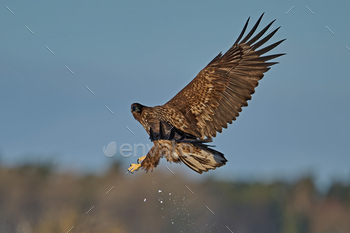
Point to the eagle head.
(136, 110)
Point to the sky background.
(146, 51)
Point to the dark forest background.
(35, 198)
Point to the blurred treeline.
(33, 198)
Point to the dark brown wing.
(218, 93)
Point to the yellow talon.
(141, 159)
(134, 167)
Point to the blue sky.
(138, 51)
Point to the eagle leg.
(134, 167)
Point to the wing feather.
(253, 30)
(219, 91)
(257, 37)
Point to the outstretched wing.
(217, 94)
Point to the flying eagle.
(180, 128)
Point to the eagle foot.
(139, 160)
(134, 167)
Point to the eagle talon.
(134, 167)
(139, 160)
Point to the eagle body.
(192, 152)
(150, 117)
(211, 101)
(198, 157)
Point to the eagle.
(181, 128)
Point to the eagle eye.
(135, 108)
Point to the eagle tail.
(201, 158)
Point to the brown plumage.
(197, 156)
(192, 152)
(217, 94)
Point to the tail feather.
(201, 158)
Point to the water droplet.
(159, 191)
(169, 193)
(144, 200)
